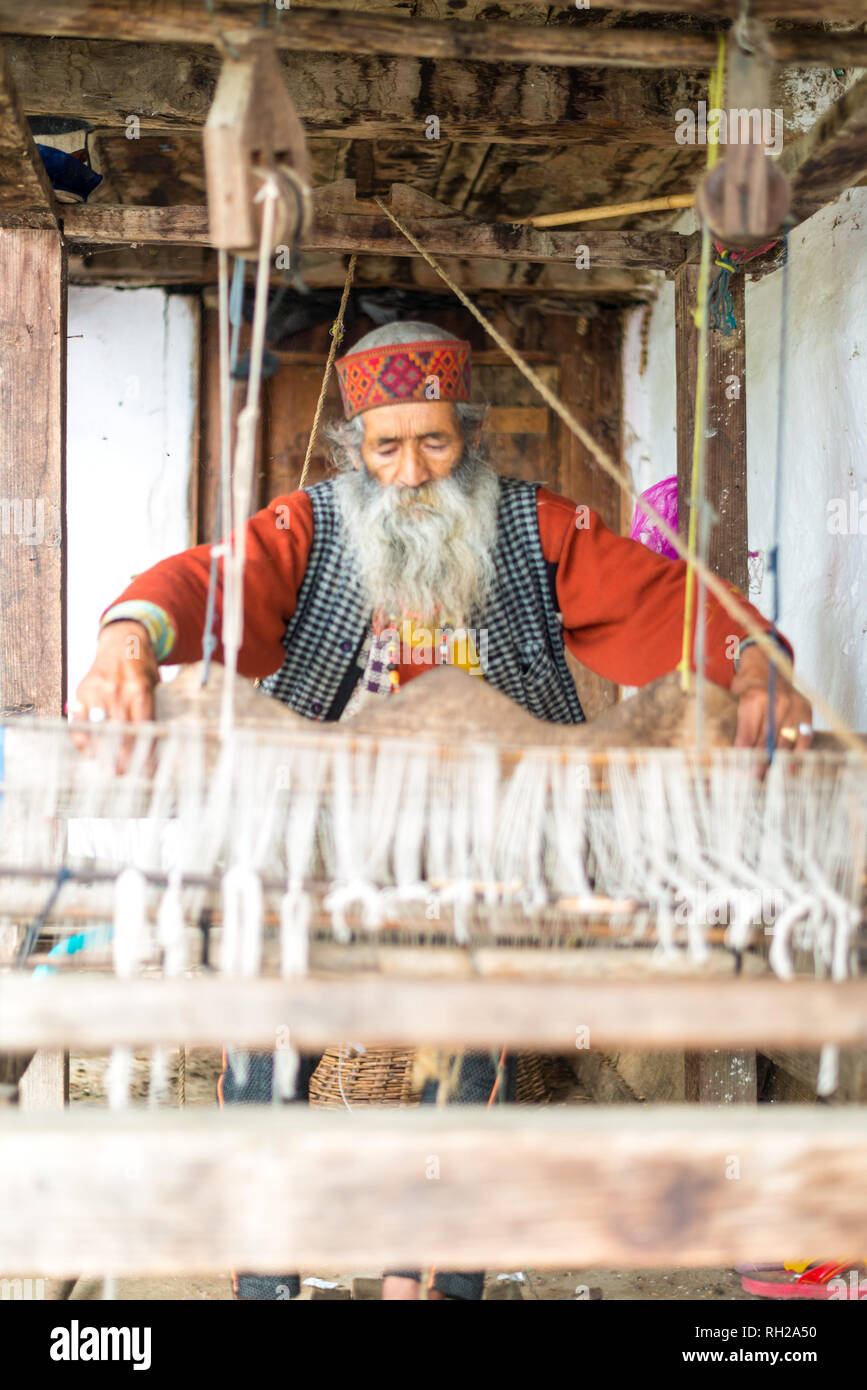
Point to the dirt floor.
(87, 1087)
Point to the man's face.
(413, 443)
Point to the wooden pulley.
(253, 130)
(744, 198)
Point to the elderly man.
(353, 585)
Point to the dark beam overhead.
(374, 235)
(722, 9)
(171, 87)
(342, 31)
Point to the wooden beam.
(102, 224)
(524, 282)
(45, 1083)
(725, 450)
(341, 31)
(24, 184)
(831, 156)
(500, 241)
(277, 1187)
(730, 9)
(82, 1012)
(701, 9)
(94, 225)
(344, 96)
(33, 469)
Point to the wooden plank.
(721, 1077)
(84, 1012)
(24, 183)
(831, 156)
(32, 464)
(96, 225)
(517, 419)
(341, 31)
(271, 1188)
(45, 1084)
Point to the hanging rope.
(726, 597)
(336, 331)
(720, 302)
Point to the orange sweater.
(622, 604)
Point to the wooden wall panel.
(32, 471)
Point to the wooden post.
(33, 471)
(45, 1083)
(726, 453)
(32, 520)
(715, 1077)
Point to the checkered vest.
(525, 654)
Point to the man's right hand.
(121, 680)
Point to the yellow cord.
(700, 317)
(336, 339)
(698, 453)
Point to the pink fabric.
(663, 498)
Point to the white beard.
(426, 551)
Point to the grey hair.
(345, 436)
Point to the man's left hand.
(791, 710)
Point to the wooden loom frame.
(604, 1187)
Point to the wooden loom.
(457, 997)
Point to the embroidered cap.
(438, 370)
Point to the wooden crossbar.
(84, 1012)
(275, 1188)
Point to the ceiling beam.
(24, 184)
(724, 9)
(491, 282)
(375, 235)
(700, 9)
(342, 31)
(349, 97)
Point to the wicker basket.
(383, 1076)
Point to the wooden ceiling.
(576, 107)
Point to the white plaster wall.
(649, 401)
(823, 575)
(132, 391)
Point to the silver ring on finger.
(97, 714)
(805, 730)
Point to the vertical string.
(229, 311)
(245, 448)
(774, 558)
